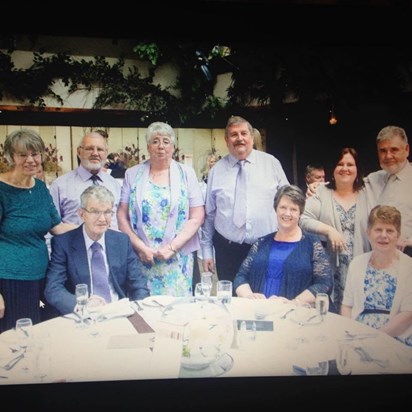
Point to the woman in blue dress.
(378, 289)
(288, 264)
(161, 209)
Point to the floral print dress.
(172, 277)
(347, 221)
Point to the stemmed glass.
(82, 297)
(24, 335)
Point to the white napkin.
(116, 309)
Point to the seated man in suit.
(72, 257)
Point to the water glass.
(24, 327)
(206, 279)
(199, 292)
(82, 297)
(343, 359)
(224, 291)
(322, 304)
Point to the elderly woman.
(27, 213)
(161, 209)
(289, 263)
(378, 289)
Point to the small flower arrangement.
(51, 160)
(131, 156)
(3, 162)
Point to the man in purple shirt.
(66, 189)
(223, 229)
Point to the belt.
(366, 311)
(227, 241)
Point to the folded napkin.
(116, 309)
(140, 324)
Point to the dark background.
(361, 24)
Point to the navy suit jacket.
(69, 266)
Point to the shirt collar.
(89, 241)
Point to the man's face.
(93, 152)
(317, 175)
(97, 217)
(239, 141)
(392, 154)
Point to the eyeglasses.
(24, 156)
(97, 213)
(158, 142)
(91, 149)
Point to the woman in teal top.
(27, 213)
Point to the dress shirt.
(264, 176)
(395, 193)
(66, 191)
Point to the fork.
(287, 313)
(138, 306)
(12, 363)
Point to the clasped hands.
(149, 254)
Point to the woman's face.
(288, 213)
(27, 162)
(383, 236)
(160, 147)
(345, 171)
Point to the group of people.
(251, 225)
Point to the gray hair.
(96, 133)
(160, 128)
(235, 120)
(23, 139)
(389, 132)
(294, 193)
(98, 192)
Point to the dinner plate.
(158, 300)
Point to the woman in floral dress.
(378, 289)
(161, 209)
(338, 212)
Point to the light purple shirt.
(264, 177)
(66, 191)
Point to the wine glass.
(24, 327)
(206, 279)
(82, 297)
(199, 292)
(322, 304)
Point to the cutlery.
(138, 306)
(368, 358)
(287, 313)
(359, 336)
(158, 303)
(11, 364)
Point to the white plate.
(153, 301)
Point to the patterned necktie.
(95, 179)
(99, 273)
(239, 211)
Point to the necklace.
(162, 173)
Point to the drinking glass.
(24, 334)
(199, 292)
(82, 297)
(322, 304)
(206, 279)
(343, 360)
(94, 307)
(224, 291)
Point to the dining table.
(127, 341)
